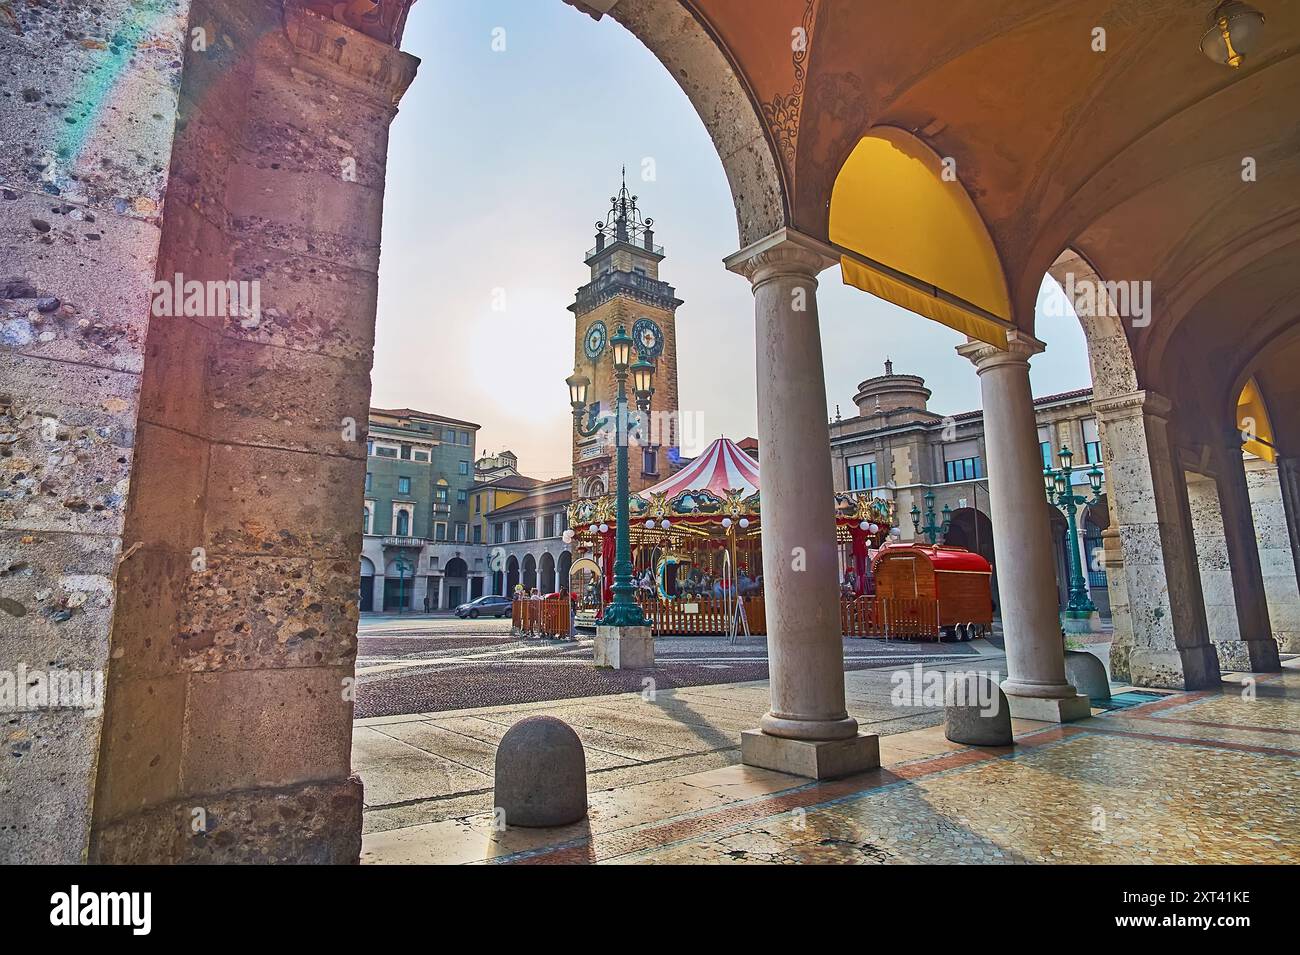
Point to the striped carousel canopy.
(722, 467)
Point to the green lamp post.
(404, 569)
(1060, 494)
(623, 610)
(931, 530)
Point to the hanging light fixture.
(1233, 31)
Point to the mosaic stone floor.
(1206, 777)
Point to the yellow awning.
(913, 237)
(1252, 418)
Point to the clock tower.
(625, 290)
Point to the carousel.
(697, 545)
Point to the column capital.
(784, 252)
(1132, 404)
(1021, 346)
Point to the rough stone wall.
(88, 104)
(1277, 562)
(1212, 559)
(235, 638)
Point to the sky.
(500, 163)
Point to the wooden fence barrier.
(549, 617)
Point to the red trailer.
(950, 588)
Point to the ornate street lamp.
(403, 568)
(623, 610)
(931, 529)
(1060, 494)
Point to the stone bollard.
(976, 712)
(541, 774)
(1087, 674)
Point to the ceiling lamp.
(1233, 32)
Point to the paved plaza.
(1204, 776)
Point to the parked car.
(490, 605)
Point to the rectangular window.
(1091, 440)
(562, 519)
(498, 533)
(530, 529)
(464, 467)
(421, 455)
(548, 525)
(403, 485)
(1046, 448)
(464, 437)
(440, 531)
(461, 532)
(1092, 451)
(967, 469)
(514, 531)
(478, 503)
(368, 477)
(406, 452)
(382, 452)
(478, 533)
(462, 496)
(862, 476)
(449, 435)
(440, 495)
(370, 448)
(650, 461)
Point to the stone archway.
(546, 573)
(972, 529)
(529, 572)
(565, 562)
(512, 574)
(266, 408)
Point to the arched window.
(365, 519)
(403, 523)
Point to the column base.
(1193, 668)
(316, 823)
(813, 759)
(624, 648)
(1073, 621)
(1050, 709)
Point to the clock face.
(594, 343)
(649, 339)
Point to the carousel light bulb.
(874, 528)
(567, 537)
(726, 522)
(666, 524)
(744, 522)
(650, 524)
(864, 526)
(593, 528)
(604, 528)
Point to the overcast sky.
(499, 165)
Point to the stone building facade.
(525, 545)
(418, 548)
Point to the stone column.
(1170, 644)
(1257, 651)
(1274, 529)
(1288, 476)
(808, 730)
(1036, 686)
(377, 601)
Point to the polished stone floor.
(1202, 777)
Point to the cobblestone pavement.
(1203, 777)
(432, 664)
